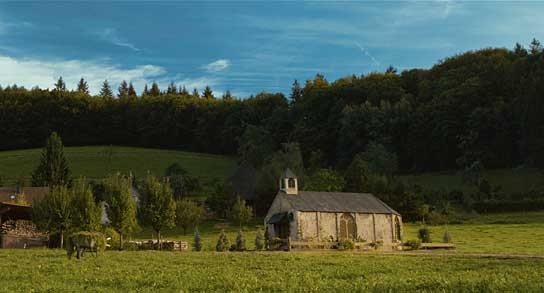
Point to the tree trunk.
(159, 238)
(61, 238)
(120, 241)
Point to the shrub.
(223, 242)
(447, 237)
(275, 243)
(259, 240)
(112, 238)
(413, 244)
(424, 234)
(240, 241)
(197, 240)
(131, 246)
(377, 244)
(345, 244)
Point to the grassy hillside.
(511, 180)
(153, 271)
(99, 161)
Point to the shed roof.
(9, 194)
(313, 201)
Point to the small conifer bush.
(197, 240)
(259, 240)
(240, 241)
(223, 242)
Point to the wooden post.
(374, 225)
(336, 220)
(289, 243)
(317, 226)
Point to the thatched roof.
(336, 202)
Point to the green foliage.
(424, 234)
(240, 241)
(376, 244)
(53, 168)
(188, 214)
(223, 242)
(157, 207)
(220, 200)
(113, 236)
(54, 213)
(240, 213)
(105, 91)
(413, 244)
(345, 244)
(121, 207)
(87, 214)
(380, 160)
(259, 241)
(255, 145)
(197, 240)
(182, 184)
(316, 271)
(447, 237)
(325, 180)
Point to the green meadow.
(324, 271)
(99, 161)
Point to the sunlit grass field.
(100, 161)
(332, 271)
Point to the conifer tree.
(195, 93)
(146, 91)
(87, 214)
(60, 86)
(240, 241)
(105, 91)
(155, 91)
(83, 87)
(183, 91)
(121, 207)
(197, 240)
(53, 168)
(227, 96)
(207, 93)
(131, 90)
(296, 92)
(223, 243)
(172, 89)
(123, 89)
(259, 240)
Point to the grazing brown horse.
(80, 241)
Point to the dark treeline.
(485, 106)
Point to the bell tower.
(289, 182)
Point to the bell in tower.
(289, 182)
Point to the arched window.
(291, 183)
(348, 228)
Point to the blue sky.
(245, 47)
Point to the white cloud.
(218, 65)
(44, 73)
(110, 35)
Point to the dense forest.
(485, 106)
